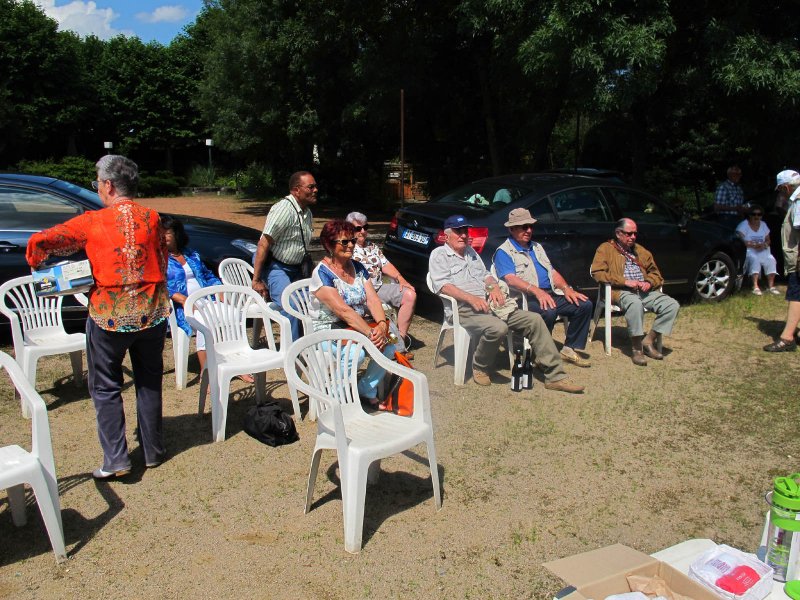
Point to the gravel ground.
(647, 457)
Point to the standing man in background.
(284, 242)
(729, 198)
(128, 308)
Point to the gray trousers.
(490, 330)
(634, 303)
(105, 351)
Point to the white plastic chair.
(461, 339)
(223, 321)
(180, 351)
(38, 330)
(317, 365)
(235, 271)
(605, 308)
(36, 468)
(296, 300)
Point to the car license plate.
(416, 236)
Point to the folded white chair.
(37, 329)
(235, 271)
(220, 312)
(36, 468)
(319, 365)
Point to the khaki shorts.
(391, 293)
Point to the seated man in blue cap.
(525, 267)
(457, 270)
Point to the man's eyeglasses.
(628, 233)
(459, 231)
(310, 188)
(358, 228)
(525, 227)
(346, 242)
(756, 214)
(96, 184)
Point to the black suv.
(575, 214)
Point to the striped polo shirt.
(283, 226)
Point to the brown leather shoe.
(638, 358)
(564, 385)
(651, 351)
(481, 377)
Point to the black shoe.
(781, 345)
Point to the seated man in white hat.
(525, 267)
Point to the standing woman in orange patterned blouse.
(128, 308)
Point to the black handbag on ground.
(270, 424)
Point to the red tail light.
(478, 237)
(393, 225)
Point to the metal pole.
(402, 150)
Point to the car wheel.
(716, 278)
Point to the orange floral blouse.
(126, 247)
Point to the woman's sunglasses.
(346, 242)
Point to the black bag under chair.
(270, 424)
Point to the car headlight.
(245, 246)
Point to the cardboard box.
(66, 277)
(600, 573)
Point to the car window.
(542, 211)
(581, 205)
(641, 207)
(490, 195)
(32, 210)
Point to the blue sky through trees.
(150, 20)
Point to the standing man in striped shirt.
(285, 241)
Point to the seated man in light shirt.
(457, 270)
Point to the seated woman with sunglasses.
(400, 294)
(343, 297)
(755, 234)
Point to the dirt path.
(647, 457)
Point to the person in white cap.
(524, 266)
(457, 270)
(788, 186)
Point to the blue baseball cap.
(456, 221)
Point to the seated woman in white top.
(755, 234)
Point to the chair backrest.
(449, 303)
(324, 365)
(41, 445)
(220, 312)
(296, 300)
(28, 312)
(235, 271)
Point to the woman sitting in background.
(343, 298)
(755, 234)
(400, 293)
(187, 273)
